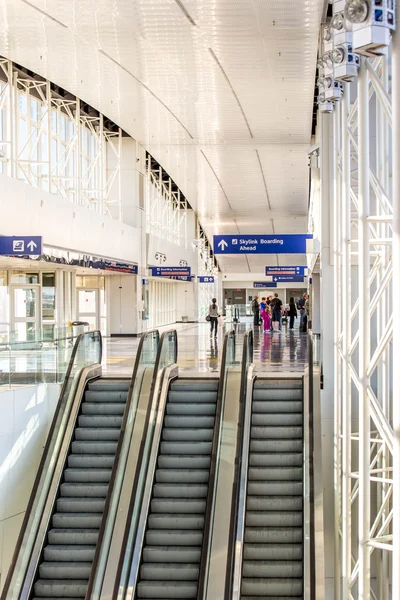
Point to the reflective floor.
(198, 352)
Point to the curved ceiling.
(219, 91)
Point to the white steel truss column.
(367, 330)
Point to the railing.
(165, 367)
(228, 361)
(146, 357)
(38, 359)
(87, 352)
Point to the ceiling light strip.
(232, 90)
(186, 13)
(217, 178)
(45, 14)
(147, 89)
(264, 180)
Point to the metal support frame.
(367, 330)
(48, 141)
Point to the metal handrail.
(111, 487)
(155, 396)
(5, 592)
(205, 549)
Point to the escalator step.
(172, 554)
(184, 435)
(273, 587)
(187, 506)
(274, 519)
(87, 475)
(79, 447)
(100, 421)
(272, 488)
(60, 588)
(173, 590)
(276, 420)
(70, 553)
(271, 535)
(186, 448)
(100, 408)
(109, 385)
(84, 490)
(73, 536)
(272, 568)
(182, 476)
(270, 551)
(276, 433)
(191, 397)
(189, 422)
(91, 461)
(273, 503)
(97, 434)
(77, 521)
(271, 459)
(196, 385)
(183, 462)
(65, 570)
(275, 474)
(105, 396)
(169, 572)
(281, 407)
(174, 521)
(164, 537)
(171, 490)
(83, 505)
(276, 445)
(190, 409)
(274, 384)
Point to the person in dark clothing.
(292, 313)
(255, 307)
(276, 306)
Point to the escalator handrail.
(43, 459)
(246, 382)
(138, 361)
(157, 377)
(236, 535)
(204, 557)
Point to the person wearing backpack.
(255, 307)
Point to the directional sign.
(170, 271)
(263, 285)
(290, 243)
(290, 278)
(206, 279)
(286, 271)
(22, 245)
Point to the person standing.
(292, 313)
(265, 314)
(276, 312)
(255, 307)
(213, 314)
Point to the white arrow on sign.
(276, 279)
(223, 244)
(32, 245)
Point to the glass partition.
(86, 352)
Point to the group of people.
(269, 312)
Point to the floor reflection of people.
(265, 348)
(276, 347)
(213, 357)
(292, 343)
(302, 348)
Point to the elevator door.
(88, 307)
(25, 312)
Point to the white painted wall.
(123, 308)
(26, 415)
(186, 301)
(27, 210)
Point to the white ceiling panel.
(220, 92)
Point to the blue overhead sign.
(206, 279)
(12, 245)
(263, 285)
(170, 272)
(290, 243)
(286, 271)
(288, 278)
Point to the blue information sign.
(288, 278)
(263, 285)
(18, 246)
(290, 243)
(286, 271)
(206, 279)
(170, 271)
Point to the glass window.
(49, 303)
(23, 278)
(45, 149)
(22, 103)
(22, 137)
(63, 127)
(34, 110)
(49, 279)
(54, 122)
(25, 303)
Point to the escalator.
(70, 545)
(173, 540)
(272, 559)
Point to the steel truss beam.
(367, 282)
(50, 143)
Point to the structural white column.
(396, 311)
(364, 335)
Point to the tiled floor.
(197, 352)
